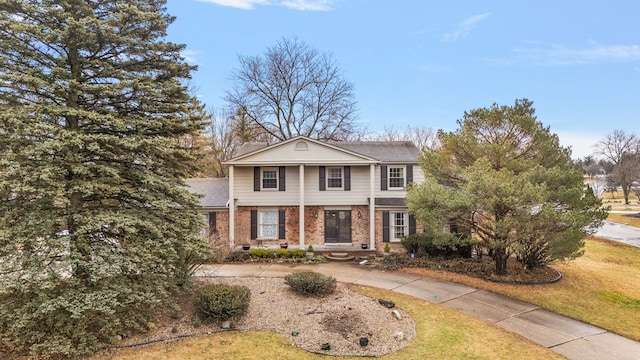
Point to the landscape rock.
(396, 314)
(399, 336)
(387, 303)
(364, 341)
(226, 325)
(326, 346)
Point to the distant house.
(303, 191)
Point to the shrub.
(237, 256)
(222, 302)
(310, 283)
(298, 253)
(283, 253)
(446, 245)
(261, 253)
(413, 243)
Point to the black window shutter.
(385, 226)
(383, 177)
(322, 183)
(256, 178)
(254, 224)
(347, 178)
(281, 224)
(409, 174)
(281, 176)
(212, 223)
(412, 224)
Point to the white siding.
(358, 195)
(418, 177)
(243, 189)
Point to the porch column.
(372, 207)
(232, 209)
(301, 205)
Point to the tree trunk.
(500, 256)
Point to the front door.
(337, 226)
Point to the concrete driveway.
(619, 232)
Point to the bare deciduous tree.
(295, 90)
(423, 137)
(622, 149)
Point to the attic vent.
(302, 146)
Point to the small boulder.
(226, 325)
(364, 341)
(399, 336)
(295, 333)
(396, 314)
(387, 303)
(325, 346)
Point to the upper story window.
(334, 178)
(396, 177)
(270, 178)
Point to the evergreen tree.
(95, 221)
(505, 176)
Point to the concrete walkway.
(568, 337)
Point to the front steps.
(339, 256)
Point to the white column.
(301, 204)
(372, 207)
(232, 208)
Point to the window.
(398, 225)
(396, 177)
(270, 178)
(334, 178)
(268, 224)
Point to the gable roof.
(380, 151)
(215, 191)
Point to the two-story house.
(303, 191)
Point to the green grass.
(622, 219)
(601, 288)
(442, 333)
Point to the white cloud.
(190, 56)
(559, 54)
(312, 5)
(464, 28)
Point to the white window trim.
(262, 171)
(392, 225)
(328, 172)
(260, 224)
(404, 175)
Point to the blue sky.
(426, 62)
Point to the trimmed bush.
(222, 302)
(283, 253)
(446, 245)
(261, 253)
(310, 283)
(298, 253)
(413, 243)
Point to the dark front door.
(337, 226)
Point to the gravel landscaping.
(343, 323)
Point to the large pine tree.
(504, 175)
(95, 221)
